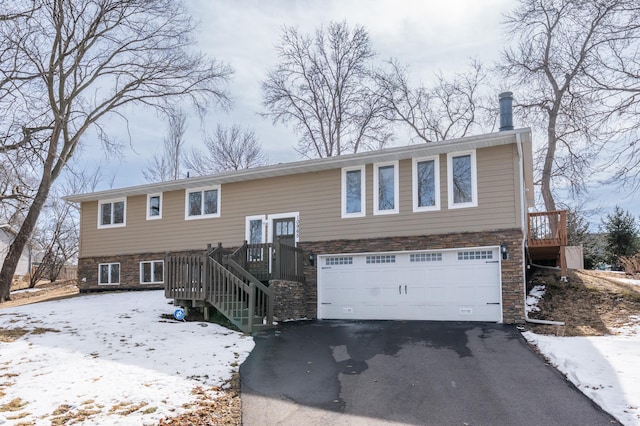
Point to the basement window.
(152, 272)
(109, 273)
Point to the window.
(381, 259)
(152, 272)
(109, 273)
(353, 190)
(112, 213)
(475, 255)
(346, 260)
(462, 180)
(202, 203)
(385, 188)
(425, 257)
(154, 206)
(426, 184)
(255, 230)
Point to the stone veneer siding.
(513, 280)
(129, 270)
(300, 300)
(290, 300)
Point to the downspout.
(524, 236)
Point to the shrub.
(631, 264)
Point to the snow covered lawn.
(110, 357)
(604, 368)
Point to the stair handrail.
(255, 285)
(221, 301)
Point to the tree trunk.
(17, 247)
(547, 170)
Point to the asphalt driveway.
(411, 373)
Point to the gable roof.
(315, 165)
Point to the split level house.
(436, 231)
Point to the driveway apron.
(405, 373)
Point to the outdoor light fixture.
(312, 258)
(503, 250)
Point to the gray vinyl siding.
(316, 196)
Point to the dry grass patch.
(46, 291)
(63, 415)
(13, 405)
(126, 408)
(225, 409)
(592, 303)
(8, 335)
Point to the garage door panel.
(460, 285)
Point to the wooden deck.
(547, 238)
(234, 283)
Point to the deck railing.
(271, 261)
(548, 229)
(231, 282)
(185, 277)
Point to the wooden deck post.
(563, 264)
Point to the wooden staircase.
(226, 281)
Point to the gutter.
(524, 239)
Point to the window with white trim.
(426, 184)
(255, 233)
(154, 206)
(112, 213)
(353, 192)
(202, 203)
(385, 188)
(152, 272)
(109, 273)
(462, 179)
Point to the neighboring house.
(7, 235)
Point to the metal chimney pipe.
(506, 111)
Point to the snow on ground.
(628, 281)
(533, 297)
(27, 290)
(604, 368)
(108, 353)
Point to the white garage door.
(446, 285)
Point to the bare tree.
(569, 62)
(323, 85)
(227, 149)
(56, 236)
(70, 63)
(166, 166)
(451, 108)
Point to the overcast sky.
(429, 35)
